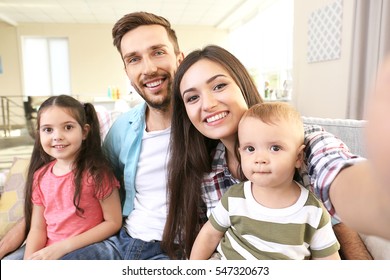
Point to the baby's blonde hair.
(272, 112)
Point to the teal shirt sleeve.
(122, 145)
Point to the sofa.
(350, 131)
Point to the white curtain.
(370, 44)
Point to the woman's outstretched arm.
(360, 193)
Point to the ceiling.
(218, 13)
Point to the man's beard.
(162, 105)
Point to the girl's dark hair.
(133, 20)
(191, 154)
(90, 158)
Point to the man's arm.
(13, 238)
(361, 201)
(351, 245)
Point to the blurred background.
(319, 55)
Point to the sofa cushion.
(12, 195)
(379, 248)
(351, 132)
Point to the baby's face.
(269, 151)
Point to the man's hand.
(13, 238)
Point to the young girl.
(71, 191)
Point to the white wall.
(320, 89)
(195, 37)
(95, 63)
(10, 78)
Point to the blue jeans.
(16, 255)
(119, 247)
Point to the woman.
(212, 90)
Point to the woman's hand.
(378, 127)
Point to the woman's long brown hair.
(191, 154)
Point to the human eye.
(68, 127)
(220, 86)
(249, 149)
(131, 60)
(275, 148)
(47, 130)
(192, 98)
(159, 52)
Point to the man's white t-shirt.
(147, 220)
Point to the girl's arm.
(37, 236)
(206, 242)
(112, 215)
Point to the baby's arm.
(334, 256)
(37, 236)
(206, 242)
(112, 222)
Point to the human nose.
(57, 135)
(149, 67)
(209, 101)
(261, 157)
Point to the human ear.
(86, 129)
(299, 160)
(180, 58)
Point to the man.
(138, 143)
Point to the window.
(45, 66)
(265, 46)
